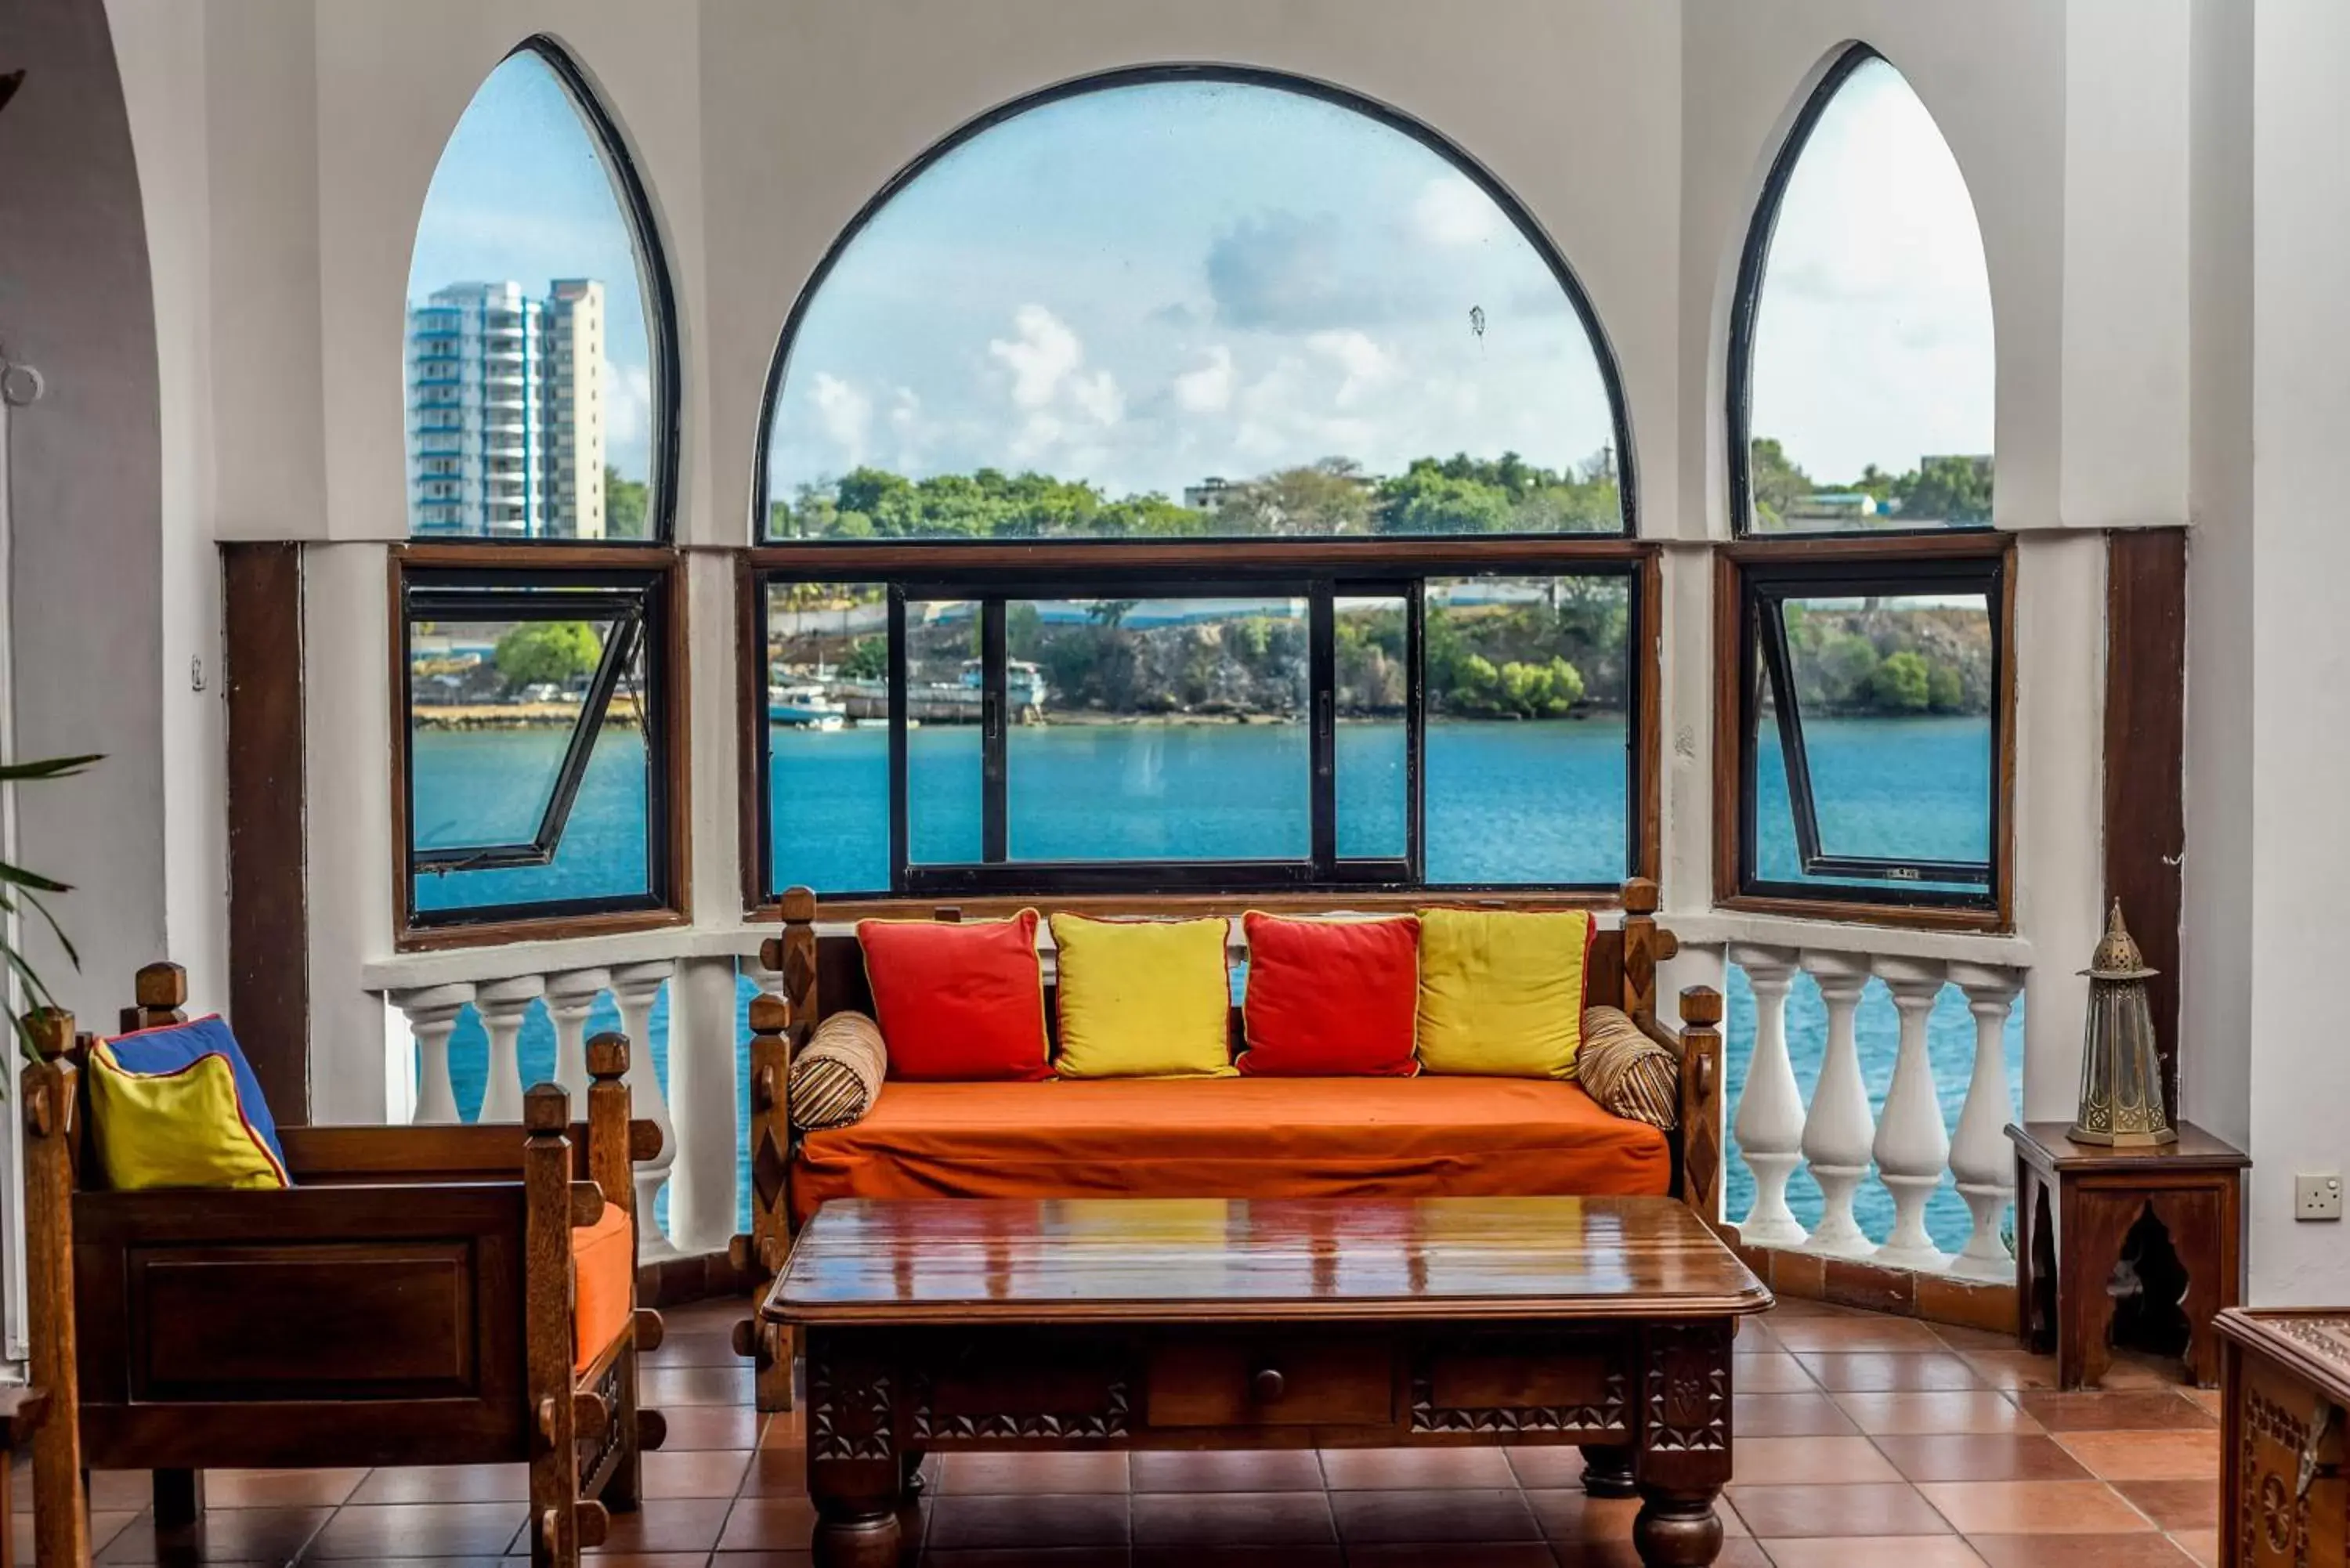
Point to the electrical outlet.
(2317, 1197)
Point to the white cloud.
(1365, 364)
(628, 406)
(1452, 210)
(1045, 353)
(1097, 397)
(845, 414)
(1207, 389)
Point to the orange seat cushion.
(604, 1276)
(1233, 1137)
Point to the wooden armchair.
(410, 1300)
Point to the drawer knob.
(1267, 1385)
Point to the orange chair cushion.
(604, 1283)
(1233, 1137)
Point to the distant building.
(1209, 494)
(506, 406)
(1837, 503)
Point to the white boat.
(805, 706)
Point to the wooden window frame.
(668, 842)
(1732, 763)
(971, 569)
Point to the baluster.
(705, 1066)
(1980, 1156)
(634, 987)
(1911, 1147)
(1838, 1132)
(432, 1013)
(1770, 1121)
(570, 997)
(502, 1004)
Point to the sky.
(1148, 285)
(522, 195)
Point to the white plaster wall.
(2299, 1074)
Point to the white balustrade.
(1770, 1122)
(1911, 1147)
(1907, 1145)
(634, 988)
(1839, 1135)
(1981, 1156)
(698, 1118)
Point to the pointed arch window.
(1861, 343)
(539, 611)
(541, 377)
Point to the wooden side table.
(2075, 1205)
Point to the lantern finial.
(2118, 956)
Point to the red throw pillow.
(958, 1001)
(1331, 998)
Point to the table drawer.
(1278, 1381)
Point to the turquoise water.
(1530, 802)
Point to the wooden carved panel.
(849, 1407)
(1108, 1418)
(2275, 1524)
(1517, 1383)
(1685, 1390)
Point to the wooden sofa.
(410, 1299)
(1481, 1137)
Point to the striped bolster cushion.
(838, 1073)
(1628, 1074)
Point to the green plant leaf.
(47, 768)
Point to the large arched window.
(1872, 714)
(541, 380)
(1289, 412)
(1188, 303)
(538, 771)
(1861, 350)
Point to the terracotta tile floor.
(1863, 1441)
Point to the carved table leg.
(1677, 1529)
(855, 1471)
(1683, 1458)
(1608, 1471)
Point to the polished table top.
(1222, 1260)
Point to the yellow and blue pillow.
(179, 1107)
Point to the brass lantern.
(2121, 1074)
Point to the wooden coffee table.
(1209, 1324)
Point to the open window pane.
(1528, 693)
(530, 781)
(1864, 336)
(945, 688)
(827, 736)
(537, 370)
(1371, 682)
(1875, 741)
(1191, 306)
(1158, 729)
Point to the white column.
(1838, 1132)
(704, 1063)
(1769, 1126)
(432, 1015)
(501, 1003)
(1980, 1156)
(1911, 1147)
(570, 996)
(634, 987)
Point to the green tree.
(1330, 497)
(556, 651)
(1424, 499)
(867, 658)
(1902, 683)
(1777, 486)
(1945, 689)
(1947, 490)
(626, 503)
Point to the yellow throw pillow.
(181, 1128)
(1143, 999)
(1500, 993)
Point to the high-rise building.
(505, 411)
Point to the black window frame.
(1333, 576)
(660, 302)
(1603, 352)
(642, 602)
(1745, 309)
(1763, 587)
